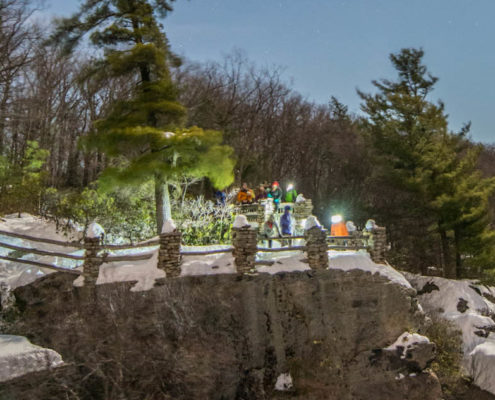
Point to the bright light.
(336, 219)
(290, 187)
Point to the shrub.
(447, 363)
(124, 213)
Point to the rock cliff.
(322, 334)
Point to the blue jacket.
(286, 223)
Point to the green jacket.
(290, 196)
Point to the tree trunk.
(162, 201)
(449, 270)
(458, 260)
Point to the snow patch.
(311, 222)
(144, 272)
(350, 226)
(169, 226)
(95, 230)
(483, 364)
(351, 260)
(406, 341)
(18, 357)
(284, 382)
(240, 221)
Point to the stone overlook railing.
(244, 240)
(259, 212)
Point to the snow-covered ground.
(471, 308)
(145, 272)
(17, 274)
(18, 357)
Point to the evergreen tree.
(443, 190)
(142, 134)
(21, 181)
(459, 196)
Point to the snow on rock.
(406, 341)
(19, 357)
(311, 222)
(95, 230)
(284, 382)
(169, 226)
(482, 365)
(469, 307)
(349, 260)
(240, 221)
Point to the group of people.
(271, 229)
(273, 191)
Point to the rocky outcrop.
(224, 337)
(468, 307)
(18, 357)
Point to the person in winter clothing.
(270, 230)
(287, 223)
(261, 193)
(291, 194)
(220, 196)
(245, 195)
(276, 194)
(338, 227)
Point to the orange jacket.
(245, 196)
(339, 229)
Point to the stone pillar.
(379, 244)
(245, 241)
(92, 246)
(302, 210)
(316, 244)
(169, 258)
(260, 218)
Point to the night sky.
(330, 48)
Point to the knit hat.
(275, 184)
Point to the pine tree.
(436, 169)
(142, 134)
(459, 196)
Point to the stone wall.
(222, 337)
